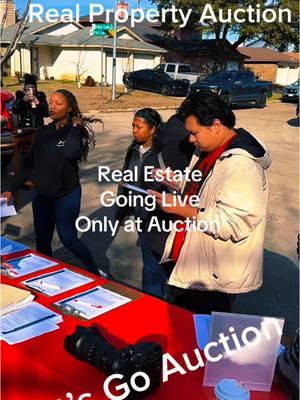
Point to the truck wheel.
(165, 90)
(261, 101)
(130, 84)
(226, 99)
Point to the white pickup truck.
(180, 71)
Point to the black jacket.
(173, 144)
(52, 161)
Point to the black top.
(52, 161)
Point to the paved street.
(276, 126)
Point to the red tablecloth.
(40, 369)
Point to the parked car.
(180, 71)
(236, 87)
(155, 81)
(7, 144)
(291, 92)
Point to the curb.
(119, 110)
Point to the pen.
(86, 303)
(29, 324)
(10, 267)
(48, 285)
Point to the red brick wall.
(265, 72)
(198, 64)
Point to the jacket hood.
(246, 144)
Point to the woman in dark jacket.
(30, 106)
(52, 164)
(143, 152)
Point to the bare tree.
(18, 32)
(80, 70)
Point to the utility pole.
(101, 83)
(114, 66)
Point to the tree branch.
(239, 41)
(20, 27)
(4, 17)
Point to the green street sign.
(99, 33)
(104, 27)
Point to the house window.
(160, 67)
(184, 69)
(196, 35)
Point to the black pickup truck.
(236, 87)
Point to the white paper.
(30, 332)
(57, 282)
(133, 187)
(27, 322)
(94, 302)
(25, 265)
(6, 210)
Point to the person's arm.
(240, 204)
(24, 172)
(73, 146)
(239, 207)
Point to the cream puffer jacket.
(228, 257)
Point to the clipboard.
(71, 310)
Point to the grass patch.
(276, 96)
(99, 99)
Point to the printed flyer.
(149, 200)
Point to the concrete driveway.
(276, 126)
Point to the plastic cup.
(231, 389)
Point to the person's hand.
(165, 201)
(36, 101)
(8, 196)
(4, 122)
(77, 121)
(169, 204)
(165, 176)
(28, 97)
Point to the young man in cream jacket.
(223, 256)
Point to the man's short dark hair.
(206, 106)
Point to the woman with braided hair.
(52, 165)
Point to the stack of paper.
(28, 322)
(25, 265)
(57, 282)
(92, 303)
(5, 209)
(8, 246)
(13, 298)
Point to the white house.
(66, 50)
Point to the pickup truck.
(180, 71)
(236, 87)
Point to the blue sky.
(84, 4)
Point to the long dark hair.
(88, 134)
(151, 117)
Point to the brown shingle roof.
(295, 56)
(261, 54)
